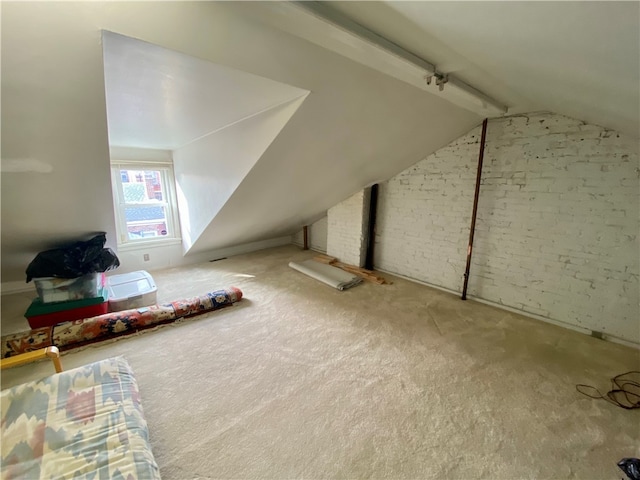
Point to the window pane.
(144, 202)
(146, 222)
(142, 186)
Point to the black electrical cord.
(624, 393)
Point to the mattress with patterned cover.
(83, 423)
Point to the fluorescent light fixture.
(335, 31)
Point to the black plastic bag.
(631, 467)
(74, 260)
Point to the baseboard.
(415, 280)
(559, 323)
(7, 288)
(311, 247)
(245, 248)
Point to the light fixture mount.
(441, 79)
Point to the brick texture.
(347, 222)
(424, 214)
(557, 227)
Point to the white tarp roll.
(332, 276)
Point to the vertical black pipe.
(305, 237)
(371, 227)
(475, 210)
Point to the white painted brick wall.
(317, 236)
(346, 229)
(424, 214)
(557, 229)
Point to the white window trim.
(171, 205)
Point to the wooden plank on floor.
(325, 259)
(368, 275)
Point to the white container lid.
(127, 285)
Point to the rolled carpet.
(68, 335)
(332, 276)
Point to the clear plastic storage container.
(53, 289)
(131, 290)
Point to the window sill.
(144, 245)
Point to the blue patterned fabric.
(83, 423)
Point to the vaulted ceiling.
(580, 59)
(356, 127)
(553, 60)
(369, 114)
(158, 98)
(216, 121)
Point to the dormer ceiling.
(159, 98)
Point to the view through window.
(144, 201)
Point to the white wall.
(558, 224)
(53, 111)
(317, 236)
(210, 169)
(347, 223)
(557, 227)
(424, 213)
(165, 256)
(162, 256)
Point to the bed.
(87, 422)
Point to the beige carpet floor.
(395, 381)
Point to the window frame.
(170, 204)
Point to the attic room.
(483, 150)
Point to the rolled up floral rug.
(68, 335)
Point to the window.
(144, 201)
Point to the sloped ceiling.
(553, 60)
(240, 175)
(580, 59)
(209, 170)
(218, 121)
(158, 98)
(235, 185)
(340, 140)
(357, 125)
